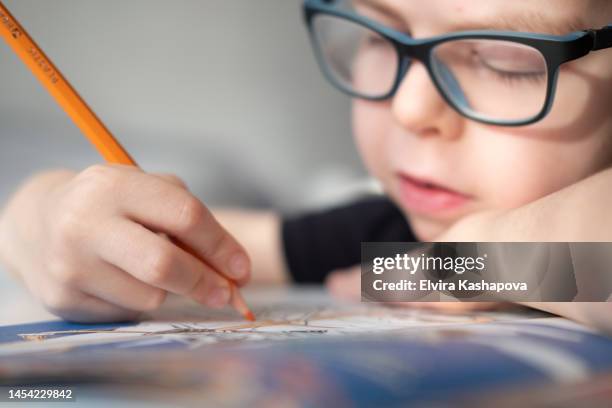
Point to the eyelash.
(535, 77)
(512, 78)
(376, 40)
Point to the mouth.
(428, 197)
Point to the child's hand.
(93, 246)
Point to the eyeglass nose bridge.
(412, 50)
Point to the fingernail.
(219, 297)
(238, 266)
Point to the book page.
(281, 315)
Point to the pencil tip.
(240, 304)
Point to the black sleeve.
(318, 243)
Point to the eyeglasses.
(498, 78)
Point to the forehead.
(545, 16)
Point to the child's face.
(416, 137)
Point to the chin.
(427, 229)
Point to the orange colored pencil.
(75, 107)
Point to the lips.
(424, 196)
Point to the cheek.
(520, 170)
(370, 129)
(573, 142)
(512, 176)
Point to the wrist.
(485, 226)
(586, 209)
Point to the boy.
(458, 132)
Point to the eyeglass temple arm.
(602, 38)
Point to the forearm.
(259, 233)
(18, 218)
(580, 212)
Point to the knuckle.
(68, 226)
(175, 180)
(154, 300)
(95, 172)
(191, 214)
(179, 182)
(161, 265)
(60, 269)
(215, 246)
(70, 277)
(67, 276)
(99, 178)
(57, 301)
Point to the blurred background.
(224, 93)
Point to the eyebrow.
(386, 10)
(527, 22)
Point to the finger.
(92, 310)
(345, 284)
(211, 291)
(75, 306)
(167, 208)
(113, 285)
(156, 261)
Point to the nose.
(419, 108)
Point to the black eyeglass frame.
(556, 51)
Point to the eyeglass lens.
(492, 79)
